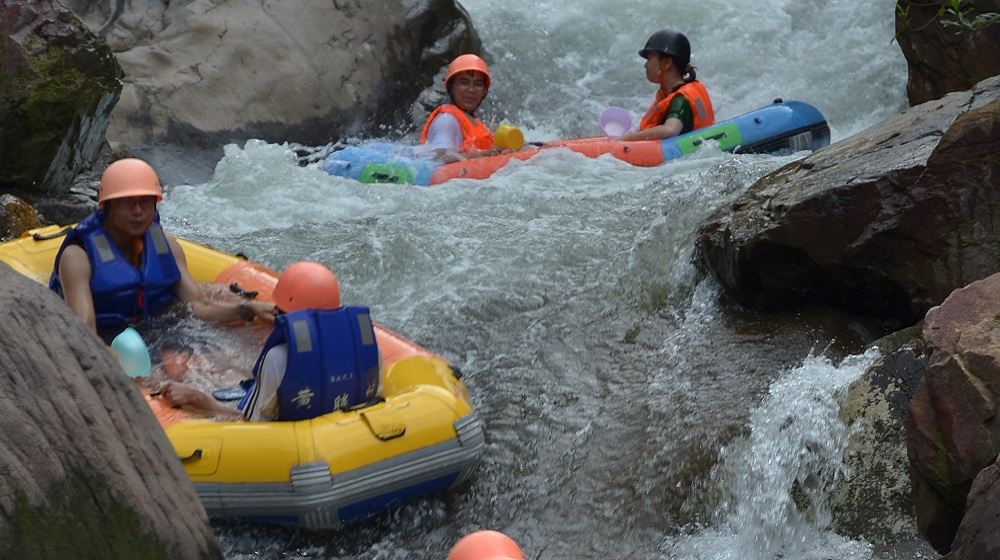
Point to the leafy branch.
(955, 15)
(952, 14)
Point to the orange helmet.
(307, 285)
(129, 177)
(486, 545)
(467, 62)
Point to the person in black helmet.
(682, 103)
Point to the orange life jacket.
(475, 135)
(696, 95)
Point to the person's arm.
(679, 119)
(672, 127)
(189, 292)
(181, 394)
(74, 276)
(262, 404)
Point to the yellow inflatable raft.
(423, 437)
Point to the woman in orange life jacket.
(452, 130)
(682, 103)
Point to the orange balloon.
(486, 545)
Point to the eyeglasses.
(471, 83)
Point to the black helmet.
(671, 43)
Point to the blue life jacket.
(123, 293)
(333, 361)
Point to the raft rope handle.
(718, 136)
(192, 457)
(60, 233)
(385, 177)
(236, 289)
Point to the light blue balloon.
(133, 354)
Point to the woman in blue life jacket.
(118, 266)
(320, 357)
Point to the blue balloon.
(133, 354)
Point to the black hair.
(689, 74)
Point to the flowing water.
(630, 411)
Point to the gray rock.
(875, 500)
(942, 59)
(207, 73)
(87, 470)
(885, 223)
(58, 84)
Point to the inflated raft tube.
(420, 436)
(782, 127)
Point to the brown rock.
(16, 217)
(887, 222)
(953, 430)
(978, 537)
(87, 471)
(943, 59)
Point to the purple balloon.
(615, 121)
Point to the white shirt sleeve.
(444, 133)
(262, 405)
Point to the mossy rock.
(59, 83)
(82, 520)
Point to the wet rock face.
(84, 462)
(885, 223)
(875, 501)
(58, 84)
(227, 70)
(953, 431)
(943, 59)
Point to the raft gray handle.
(192, 457)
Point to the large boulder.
(953, 431)
(978, 537)
(305, 71)
(887, 222)
(941, 58)
(87, 470)
(58, 84)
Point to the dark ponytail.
(689, 74)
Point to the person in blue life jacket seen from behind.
(118, 266)
(682, 103)
(319, 358)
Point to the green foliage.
(955, 15)
(952, 14)
(903, 13)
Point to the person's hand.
(180, 394)
(447, 156)
(262, 309)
